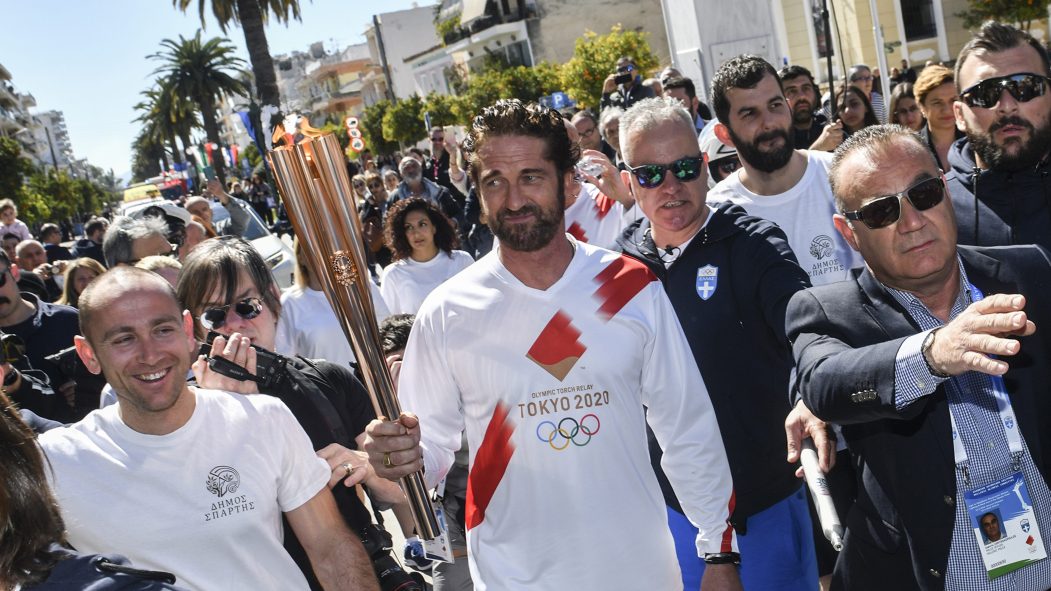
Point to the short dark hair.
(513, 117)
(445, 237)
(394, 332)
(47, 230)
(30, 521)
(217, 263)
(104, 283)
(681, 82)
(94, 225)
(743, 71)
(794, 71)
(994, 37)
(585, 114)
(10, 236)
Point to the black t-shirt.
(353, 412)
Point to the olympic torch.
(822, 495)
(316, 191)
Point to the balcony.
(478, 15)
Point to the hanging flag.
(233, 153)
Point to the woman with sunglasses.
(936, 92)
(228, 288)
(79, 273)
(423, 241)
(854, 109)
(903, 108)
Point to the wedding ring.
(386, 460)
(348, 468)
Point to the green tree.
(155, 122)
(145, 153)
(253, 15)
(1019, 12)
(441, 108)
(403, 121)
(14, 168)
(595, 57)
(205, 72)
(371, 125)
(493, 84)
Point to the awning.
(472, 9)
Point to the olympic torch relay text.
(554, 401)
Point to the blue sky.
(87, 58)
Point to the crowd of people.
(612, 333)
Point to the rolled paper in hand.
(822, 495)
(315, 188)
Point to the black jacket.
(996, 207)
(738, 340)
(332, 407)
(97, 572)
(86, 248)
(846, 336)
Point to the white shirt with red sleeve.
(550, 386)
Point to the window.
(918, 16)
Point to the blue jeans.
(777, 554)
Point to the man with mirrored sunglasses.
(935, 362)
(1000, 176)
(729, 277)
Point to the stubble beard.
(531, 237)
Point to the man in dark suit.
(927, 331)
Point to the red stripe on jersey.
(620, 281)
(558, 347)
(728, 534)
(577, 232)
(603, 204)
(490, 464)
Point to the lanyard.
(1007, 419)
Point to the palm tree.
(154, 130)
(204, 72)
(252, 15)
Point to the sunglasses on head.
(650, 176)
(884, 211)
(1023, 87)
(247, 309)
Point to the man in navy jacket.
(730, 277)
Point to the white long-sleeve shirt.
(550, 387)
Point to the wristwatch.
(723, 558)
(925, 350)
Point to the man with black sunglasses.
(929, 361)
(729, 277)
(1000, 174)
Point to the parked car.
(277, 254)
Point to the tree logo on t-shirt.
(821, 246)
(222, 480)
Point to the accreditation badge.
(1004, 523)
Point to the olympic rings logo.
(567, 431)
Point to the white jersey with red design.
(550, 387)
(595, 218)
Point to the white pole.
(881, 57)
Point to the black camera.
(392, 577)
(66, 360)
(14, 349)
(623, 78)
(269, 366)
